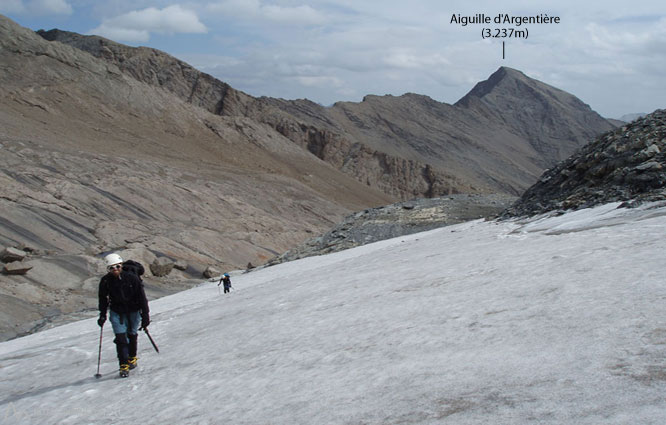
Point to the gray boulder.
(211, 272)
(12, 254)
(17, 267)
(162, 266)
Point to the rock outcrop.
(628, 164)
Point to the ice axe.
(99, 356)
(151, 340)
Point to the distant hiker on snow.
(122, 291)
(227, 282)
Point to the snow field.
(550, 320)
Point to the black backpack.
(134, 267)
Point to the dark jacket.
(123, 294)
(226, 280)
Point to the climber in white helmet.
(122, 292)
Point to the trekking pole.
(99, 356)
(151, 340)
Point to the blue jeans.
(127, 323)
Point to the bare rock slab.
(17, 267)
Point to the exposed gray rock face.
(159, 69)
(628, 164)
(400, 219)
(161, 267)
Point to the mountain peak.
(506, 72)
(510, 89)
(537, 110)
(502, 77)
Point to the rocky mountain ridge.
(627, 164)
(509, 128)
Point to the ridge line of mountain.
(330, 134)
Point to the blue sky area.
(612, 55)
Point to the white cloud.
(323, 81)
(293, 15)
(36, 7)
(51, 7)
(410, 60)
(121, 34)
(12, 6)
(137, 25)
(303, 15)
(205, 62)
(235, 8)
(608, 42)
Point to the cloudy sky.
(612, 54)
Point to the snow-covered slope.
(556, 320)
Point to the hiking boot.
(133, 362)
(124, 370)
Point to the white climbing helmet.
(112, 259)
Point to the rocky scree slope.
(498, 138)
(627, 164)
(404, 218)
